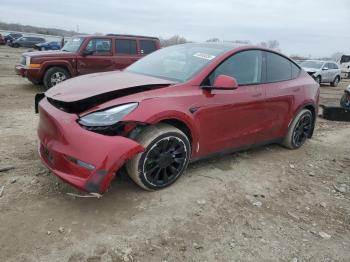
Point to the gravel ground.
(265, 204)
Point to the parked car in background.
(175, 105)
(323, 71)
(2, 40)
(52, 45)
(344, 63)
(84, 55)
(12, 37)
(27, 41)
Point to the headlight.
(108, 117)
(27, 60)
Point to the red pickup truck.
(84, 55)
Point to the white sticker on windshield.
(204, 56)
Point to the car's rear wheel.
(54, 76)
(335, 81)
(299, 130)
(166, 156)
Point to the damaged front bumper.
(84, 159)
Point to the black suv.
(27, 41)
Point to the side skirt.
(238, 149)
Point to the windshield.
(312, 64)
(73, 44)
(179, 63)
(345, 59)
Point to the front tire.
(299, 130)
(166, 156)
(335, 81)
(318, 80)
(54, 76)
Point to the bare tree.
(174, 40)
(272, 44)
(336, 56)
(213, 40)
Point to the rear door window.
(100, 46)
(278, 68)
(147, 46)
(126, 46)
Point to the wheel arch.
(181, 125)
(312, 108)
(186, 126)
(62, 64)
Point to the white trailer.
(344, 64)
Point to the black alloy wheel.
(302, 130)
(164, 161)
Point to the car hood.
(41, 44)
(310, 70)
(81, 93)
(45, 54)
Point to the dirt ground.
(265, 204)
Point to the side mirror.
(224, 82)
(87, 52)
(325, 68)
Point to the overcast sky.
(304, 27)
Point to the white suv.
(322, 71)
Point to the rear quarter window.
(334, 66)
(295, 71)
(147, 46)
(279, 68)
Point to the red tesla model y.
(176, 105)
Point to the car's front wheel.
(299, 130)
(54, 76)
(318, 80)
(166, 156)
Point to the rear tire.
(335, 81)
(166, 156)
(299, 130)
(54, 76)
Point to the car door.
(333, 71)
(31, 41)
(23, 41)
(326, 72)
(98, 58)
(282, 90)
(232, 118)
(126, 53)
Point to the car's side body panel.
(218, 120)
